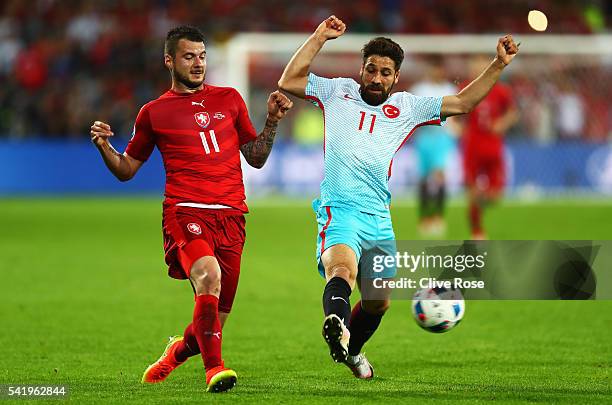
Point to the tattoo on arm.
(257, 151)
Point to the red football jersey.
(199, 136)
(478, 132)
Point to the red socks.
(207, 330)
(188, 346)
(475, 218)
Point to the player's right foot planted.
(337, 337)
(158, 371)
(219, 379)
(360, 366)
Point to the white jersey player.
(364, 126)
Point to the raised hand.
(331, 28)
(256, 152)
(100, 132)
(506, 49)
(278, 105)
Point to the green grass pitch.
(85, 301)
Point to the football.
(438, 310)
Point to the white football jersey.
(361, 140)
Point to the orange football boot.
(219, 379)
(158, 371)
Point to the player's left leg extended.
(180, 348)
(206, 318)
(365, 320)
(205, 247)
(177, 351)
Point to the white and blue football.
(438, 310)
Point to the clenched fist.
(331, 28)
(278, 105)
(100, 132)
(506, 49)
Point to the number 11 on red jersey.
(205, 142)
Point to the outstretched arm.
(123, 166)
(469, 97)
(295, 76)
(256, 152)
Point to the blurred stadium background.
(65, 63)
(84, 296)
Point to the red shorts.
(486, 171)
(191, 233)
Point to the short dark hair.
(384, 47)
(187, 32)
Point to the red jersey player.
(200, 131)
(483, 148)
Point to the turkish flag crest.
(202, 119)
(391, 111)
(194, 228)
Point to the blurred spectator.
(434, 146)
(533, 102)
(570, 110)
(62, 61)
(10, 45)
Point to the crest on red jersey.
(391, 111)
(194, 228)
(202, 119)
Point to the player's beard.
(190, 84)
(374, 98)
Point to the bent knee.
(205, 275)
(342, 270)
